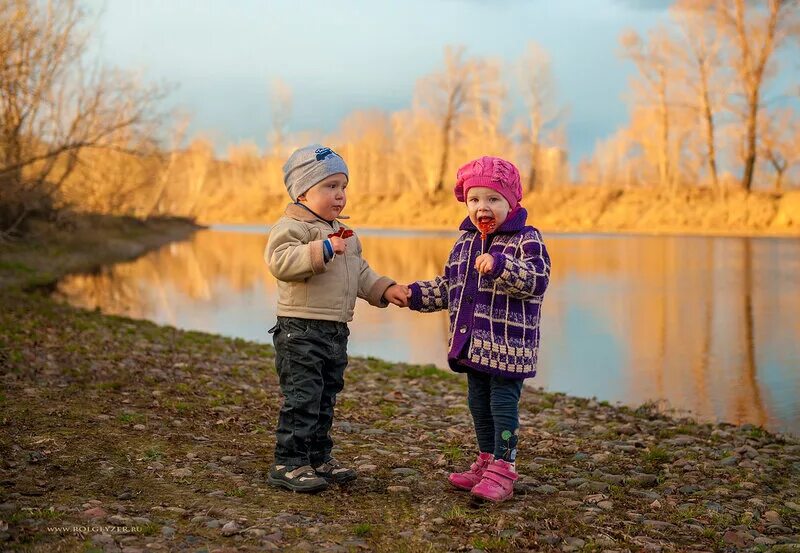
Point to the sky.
(218, 58)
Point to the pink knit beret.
(490, 172)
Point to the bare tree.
(780, 143)
(447, 95)
(701, 59)
(54, 106)
(538, 92)
(757, 30)
(653, 61)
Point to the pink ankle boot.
(497, 483)
(466, 480)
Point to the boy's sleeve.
(371, 286)
(527, 276)
(291, 256)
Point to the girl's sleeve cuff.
(415, 302)
(499, 264)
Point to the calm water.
(711, 325)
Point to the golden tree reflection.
(705, 323)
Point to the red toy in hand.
(342, 233)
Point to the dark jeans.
(494, 404)
(310, 356)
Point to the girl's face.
(327, 198)
(485, 203)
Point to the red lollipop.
(486, 225)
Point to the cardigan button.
(463, 329)
(468, 299)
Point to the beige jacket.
(308, 287)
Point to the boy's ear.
(301, 198)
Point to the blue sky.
(358, 54)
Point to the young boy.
(317, 261)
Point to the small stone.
(601, 458)
(374, 432)
(139, 427)
(575, 542)
(729, 461)
(228, 459)
(96, 512)
(739, 539)
(598, 486)
(606, 505)
(764, 540)
(658, 524)
(181, 473)
(398, 489)
(644, 480)
(792, 506)
(103, 540)
(690, 489)
(575, 482)
(546, 489)
(655, 504)
(168, 532)
(367, 468)
(772, 517)
(230, 529)
(786, 548)
(403, 471)
(682, 440)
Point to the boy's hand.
(397, 294)
(339, 245)
(485, 263)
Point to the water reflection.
(709, 324)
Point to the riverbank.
(121, 435)
(83, 243)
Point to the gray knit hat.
(309, 165)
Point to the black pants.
(494, 404)
(310, 356)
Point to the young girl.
(493, 285)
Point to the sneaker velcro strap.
(302, 473)
(502, 472)
(499, 480)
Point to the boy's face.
(484, 203)
(327, 198)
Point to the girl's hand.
(485, 263)
(397, 294)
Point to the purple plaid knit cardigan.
(494, 329)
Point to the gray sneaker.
(334, 471)
(298, 479)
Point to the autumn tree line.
(704, 115)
